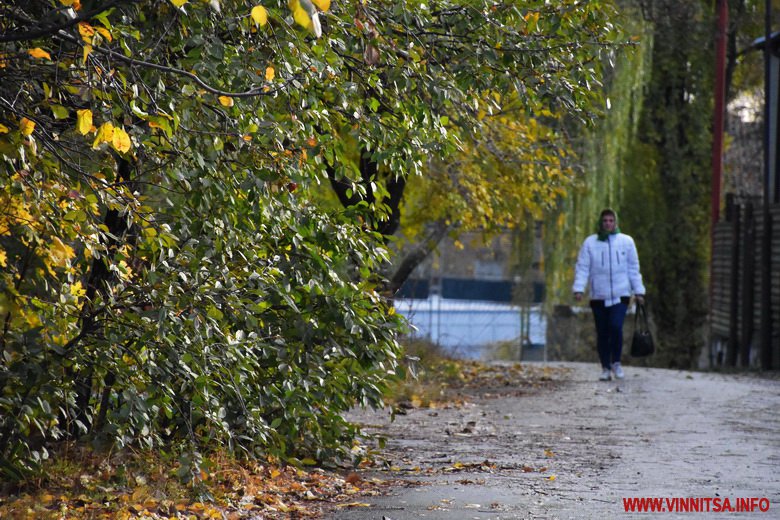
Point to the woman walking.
(608, 266)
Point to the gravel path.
(578, 448)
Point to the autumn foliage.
(169, 278)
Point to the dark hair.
(608, 211)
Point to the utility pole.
(717, 136)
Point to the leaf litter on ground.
(92, 486)
(442, 382)
(84, 484)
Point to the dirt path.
(576, 450)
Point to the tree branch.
(51, 31)
(260, 90)
(416, 256)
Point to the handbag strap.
(640, 317)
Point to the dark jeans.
(609, 330)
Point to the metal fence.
(745, 299)
(465, 328)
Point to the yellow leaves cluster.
(16, 210)
(115, 136)
(88, 33)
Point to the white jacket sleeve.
(634, 275)
(582, 268)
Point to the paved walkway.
(579, 449)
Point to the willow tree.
(650, 159)
(669, 184)
(166, 274)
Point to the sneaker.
(618, 370)
(606, 375)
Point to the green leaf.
(59, 111)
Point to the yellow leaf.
(77, 290)
(259, 15)
(105, 33)
(121, 141)
(322, 5)
(178, 3)
(39, 53)
(226, 101)
(3, 258)
(270, 73)
(105, 134)
(86, 51)
(552, 477)
(300, 15)
(86, 31)
(60, 253)
(3, 129)
(84, 121)
(26, 126)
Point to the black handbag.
(642, 341)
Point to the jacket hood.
(602, 233)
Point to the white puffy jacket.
(610, 268)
